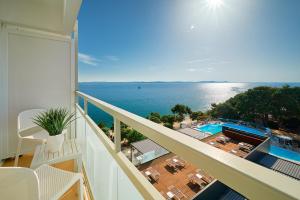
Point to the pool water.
(210, 128)
(284, 153)
(273, 150)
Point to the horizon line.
(188, 81)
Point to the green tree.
(196, 115)
(133, 136)
(155, 117)
(103, 127)
(168, 125)
(168, 119)
(180, 110)
(262, 104)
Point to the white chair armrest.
(29, 131)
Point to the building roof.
(193, 133)
(147, 145)
(280, 165)
(231, 195)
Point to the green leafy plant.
(54, 121)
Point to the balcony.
(109, 174)
(51, 80)
(104, 158)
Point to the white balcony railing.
(108, 168)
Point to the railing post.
(85, 102)
(117, 131)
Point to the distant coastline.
(142, 98)
(154, 82)
(298, 82)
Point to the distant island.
(155, 82)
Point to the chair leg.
(18, 153)
(80, 189)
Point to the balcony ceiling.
(56, 16)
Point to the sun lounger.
(170, 195)
(245, 147)
(176, 163)
(171, 164)
(147, 175)
(222, 139)
(176, 192)
(245, 144)
(205, 176)
(196, 179)
(179, 162)
(150, 172)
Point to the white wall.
(57, 16)
(40, 74)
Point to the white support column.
(76, 53)
(4, 136)
(117, 131)
(74, 83)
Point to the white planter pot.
(54, 143)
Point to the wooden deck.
(228, 147)
(71, 194)
(168, 177)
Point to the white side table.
(70, 151)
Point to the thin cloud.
(198, 60)
(202, 69)
(88, 59)
(112, 58)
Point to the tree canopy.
(262, 104)
(104, 128)
(130, 134)
(155, 117)
(198, 115)
(179, 110)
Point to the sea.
(142, 98)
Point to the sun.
(214, 4)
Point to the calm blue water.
(211, 128)
(143, 98)
(284, 153)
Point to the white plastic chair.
(28, 131)
(44, 183)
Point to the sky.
(189, 40)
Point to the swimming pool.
(210, 128)
(216, 128)
(284, 153)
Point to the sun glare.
(214, 4)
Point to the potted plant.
(55, 122)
